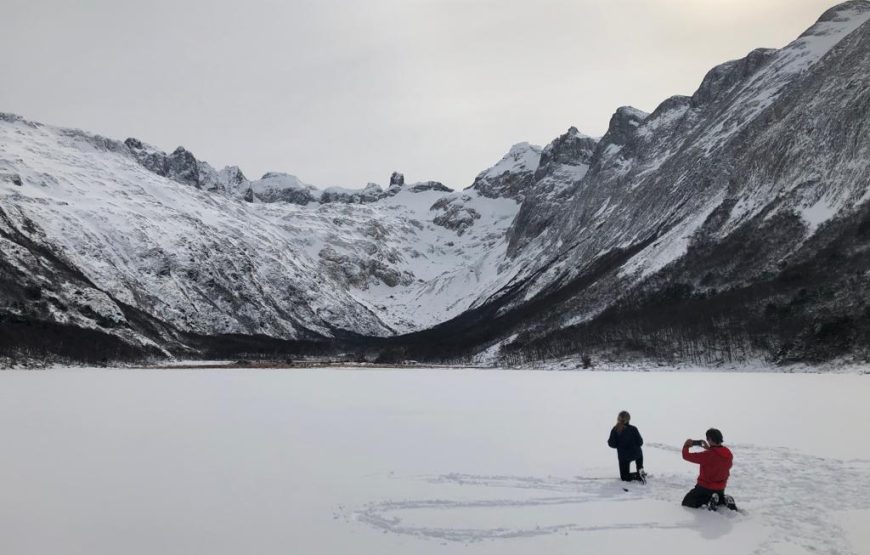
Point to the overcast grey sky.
(342, 92)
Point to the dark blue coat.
(627, 443)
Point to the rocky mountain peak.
(511, 176)
(282, 187)
(571, 148)
(397, 179)
(563, 164)
(676, 102)
(623, 123)
(622, 129)
(841, 12)
(522, 157)
(233, 175)
(181, 166)
(724, 77)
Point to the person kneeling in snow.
(715, 461)
(626, 439)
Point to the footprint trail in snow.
(793, 496)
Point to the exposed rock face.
(722, 78)
(621, 130)
(363, 272)
(563, 163)
(13, 178)
(429, 186)
(148, 156)
(371, 193)
(571, 149)
(513, 176)
(179, 166)
(282, 187)
(456, 216)
(183, 167)
(229, 180)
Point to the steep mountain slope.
(699, 221)
(770, 148)
(664, 173)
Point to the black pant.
(699, 496)
(624, 465)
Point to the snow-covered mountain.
(723, 194)
(170, 236)
(756, 173)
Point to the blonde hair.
(621, 420)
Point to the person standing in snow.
(715, 461)
(626, 439)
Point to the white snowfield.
(423, 462)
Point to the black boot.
(713, 504)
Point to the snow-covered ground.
(422, 462)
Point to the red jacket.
(715, 465)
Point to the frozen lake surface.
(423, 462)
